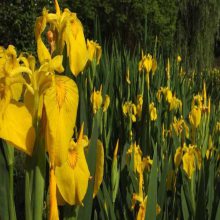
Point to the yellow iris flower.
(135, 149)
(13, 127)
(191, 158)
(146, 63)
(96, 100)
(153, 112)
(142, 206)
(58, 97)
(94, 51)
(195, 116)
(174, 102)
(129, 109)
(72, 177)
(67, 30)
(179, 125)
(53, 100)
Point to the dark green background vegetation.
(186, 27)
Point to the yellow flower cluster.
(48, 102)
(180, 126)
(97, 101)
(174, 102)
(199, 106)
(140, 165)
(129, 110)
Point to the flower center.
(72, 158)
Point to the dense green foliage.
(185, 27)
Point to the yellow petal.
(42, 51)
(11, 60)
(148, 61)
(57, 7)
(195, 116)
(106, 103)
(40, 25)
(61, 102)
(56, 64)
(72, 178)
(16, 90)
(94, 51)
(96, 100)
(189, 164)
(76, 46)
(99, 171)
(16, 127)
(178, 156)
(153, 112)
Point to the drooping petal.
(61, 102)
(42, 51)
(76, 46)
(72, 178)
(16, 127)
(189, 163)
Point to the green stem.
(192, 195)
(35, 179)
(148, 116)
(193, 135)
(11, 193)
(9, 152)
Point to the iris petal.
(16, 127)
(61, 102)
(73, 181)
(76, 46)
